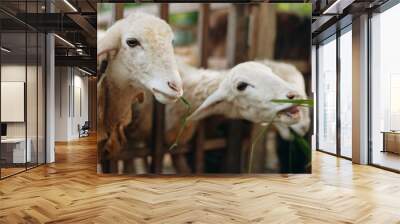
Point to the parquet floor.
(70, 191)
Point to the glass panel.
(31, 100)
(13, 87)
(22, 80)
(327, 97)
(32, 89)
(385, 84)
(41, 99)
(346, 94)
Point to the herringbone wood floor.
(70, 191)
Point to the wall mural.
(204, 88)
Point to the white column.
(50, 99)
(360, 90)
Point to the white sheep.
(140, 58)
(292, 76)
(244, 92)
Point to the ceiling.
(74, 22)
(332, 15)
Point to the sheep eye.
(242, 86)
(132, 42)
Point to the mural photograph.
(212, 88)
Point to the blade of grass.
(253, 144)
(183, 122)
(299, 102)
(303, 145)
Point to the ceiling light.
(333, 6)
(84, 71)
(64, 40)
(70, 5)
(5, 50)
(337, 7)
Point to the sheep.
(292, 76)
(244, 92)
(140, 58)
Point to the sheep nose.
(176, 88)
(173, 86)
(291, 96)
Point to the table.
(391, 141)
(13, 150)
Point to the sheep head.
(247, 92)
(140, 46)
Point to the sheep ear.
(108, 45)
(206, 107)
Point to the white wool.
(148, 66)
(293, 76)
(151, 63)
(202, 84)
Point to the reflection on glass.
(41, 99)
(346, 94)
(15, 151)
(385, 86)
(327, 97)
(31, 100)
(22, 90)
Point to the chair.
(84, 130)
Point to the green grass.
(183, 122)
(297, 139)
(298, 102)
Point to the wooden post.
(164, 11)
(158, 121)
(105, 165)
(237, 48)
(117, 11)
(203, 33)
(237, 51)
(265, 35)
(262, 45)
(203, 39)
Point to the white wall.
(61, 103)
(33, 126)
(71, 102)
(14, 73)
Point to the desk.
(391, 141)
(13, 150)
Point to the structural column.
(50, 92)
(360, 90)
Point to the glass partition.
(41, 91)
(15, 151)
(31, 100)
(346, 94)
(22, 89)
(327, 96)
(385, 89)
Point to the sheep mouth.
(166, 95)
(291, 112)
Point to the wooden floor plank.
(70, 191)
